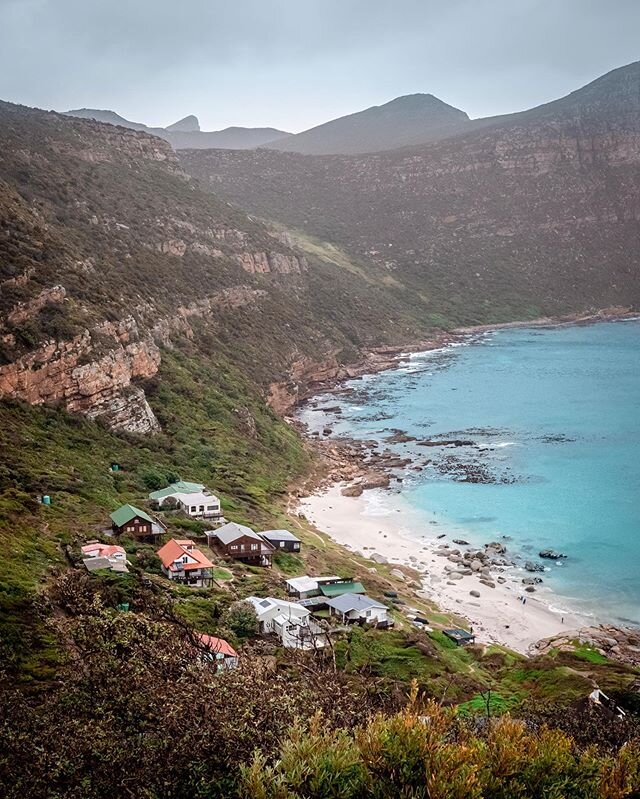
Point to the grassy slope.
(208, 397)
(205, 438)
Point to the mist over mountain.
(413, 119)
(186, 132)
(522, 215)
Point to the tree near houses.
(240, 618)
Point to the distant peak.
(188, 124)
(421, 101)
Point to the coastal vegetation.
(145, 325)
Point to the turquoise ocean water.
(555, 419)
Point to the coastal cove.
(526, 437)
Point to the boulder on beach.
(475, 593)
(530, 589)
(352, 491)
(476, 565)
(455, 576)
(375, 480)
(397, 573)
(378, 558)
(530, 566)
(531, 580)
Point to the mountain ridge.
(403, 121)
(532, 215)
(186, 132)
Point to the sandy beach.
(381, 522)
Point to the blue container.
(46, 499)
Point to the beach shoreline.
(381, 523)
(367, 473)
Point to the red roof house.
(183, 562)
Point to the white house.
(289, 621)
(199, 505)
(193, 498)
(359, 608)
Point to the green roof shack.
(338, 588)
(133, 522)
(179, 487)
(460, 637)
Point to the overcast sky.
(295, 63)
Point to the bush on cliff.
(428, 753)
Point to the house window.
(254, 546)
(193, 509)
(130, 528)
(242, 547)
(201, 509)
(211, 507)
(282, 545)
(368, 613)
(185, 559)
(233, 546)
(296, 546)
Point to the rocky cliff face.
(110, 254)
(530, 214)
(107, 255)
(77, 375)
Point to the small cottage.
(305, 586)
(341, 585)
(241, 543)
(282, 540)
(459, 636)
(199, 505)
(289, 621)
(133, 522)
(94, 549)
(219, 651)
(95, 564)
(179, 487)
(361, 609)
(194, 499)
(104, 556)
(184, 563)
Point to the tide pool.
(553, 417)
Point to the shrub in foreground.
(432, 754)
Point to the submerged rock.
(530, 566)
(551, 554)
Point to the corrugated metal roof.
(180, 486)
(125, 513)
(279, 535)
(348, 602)
(231, 531)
